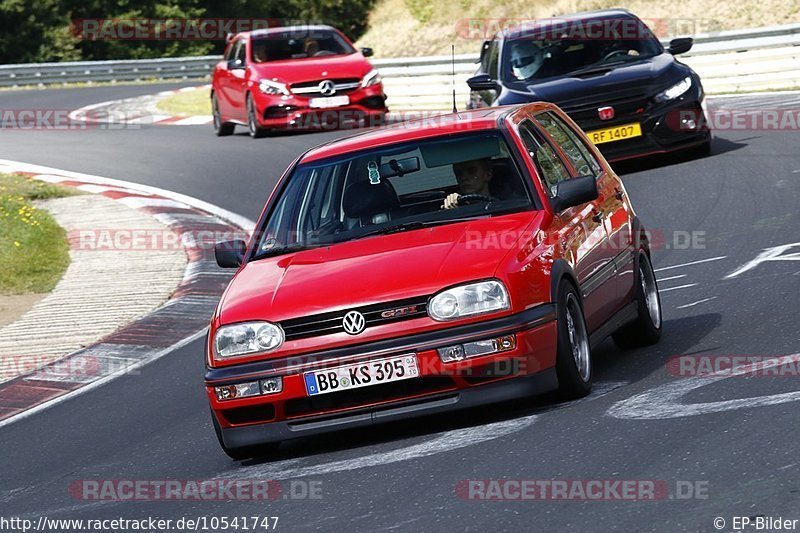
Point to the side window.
(489, 59)
(240, 55)
(582, 159)
(551, 168)
(229, 51)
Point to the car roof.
(263, 32)
(410, 130)
(515, 31)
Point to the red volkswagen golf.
(423, 268)
(294, 77)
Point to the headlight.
(247, 338)
(273, 87)
(468, 300)
(372, 77)
(675, 91)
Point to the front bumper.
(527, 369)
(664, 130)
(367, 106)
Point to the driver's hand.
(451, 201)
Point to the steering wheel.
(466, 199)
(612, 54)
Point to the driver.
(526, 59)
(311, 47)
(473, 177)
(260, 53)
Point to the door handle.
(598, 216)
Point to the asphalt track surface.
(743, 198)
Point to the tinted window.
(543, 52)
(489, 59)
(298, 45)
(551, 168)
(582, 160)
(239, 54)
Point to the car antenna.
(453, 76)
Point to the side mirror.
(366, 52)
(234, 64)
(230, 254)
(575, 191)
(482, 82)
(681, 45)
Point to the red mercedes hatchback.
(294, 77)
(427, 267)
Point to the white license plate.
(361, 374)
(331, 101)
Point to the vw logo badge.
(327, 87)
(354, 322)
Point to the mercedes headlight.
(247, 338)
(273, 87)
(468, 300)
(675, 91)
(373, 77)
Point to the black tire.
(253, 128)
(244, 452)
(646, 329)
(221, 129)
(574, 379)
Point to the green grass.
(188, 103)
(34, 252)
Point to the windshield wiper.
(285, 249)
(407, 226)
(594, 69)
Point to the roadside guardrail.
(729, 61)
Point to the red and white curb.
(139, 110)
(183, 317)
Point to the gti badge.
(353, 322)
(605, 113)
(402, 311)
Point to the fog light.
(459, 352)
(240, 390)
(271, 385)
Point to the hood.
(371, 270)
(314, 68)
(646, 76)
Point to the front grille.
(341, 86)
(367, 395)
(625, 109)
(374, 315)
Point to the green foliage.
(43, 30)
(422, 10)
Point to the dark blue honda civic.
(611, 75)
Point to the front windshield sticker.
(374, 175)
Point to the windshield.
(401, 187)
(298, 45)
(541, 55)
